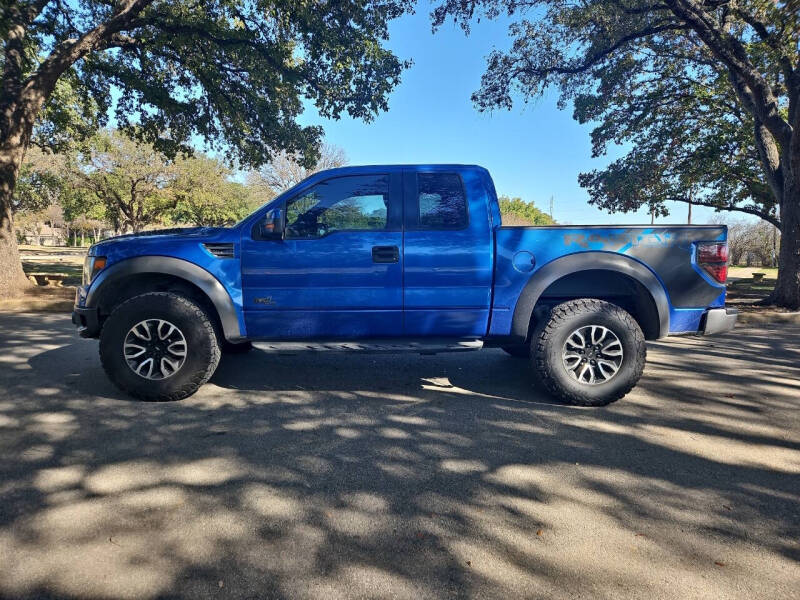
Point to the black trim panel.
(587, 261)
(87, 321)
(179, 268)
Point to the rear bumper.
(719, 320)
(87, 321)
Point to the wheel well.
(611, 286)
(141, 283)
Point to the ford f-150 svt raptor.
(391, 258)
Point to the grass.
(72, 272)
(64, 261)
(45, 259)
(742, 290)
(747, 272)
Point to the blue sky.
(533, 151)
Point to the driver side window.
(339, 204)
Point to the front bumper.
(719, 320)
(87, 321)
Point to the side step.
(426, 346)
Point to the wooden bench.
(48, 279)
(757, 277)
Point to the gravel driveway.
(330, 475)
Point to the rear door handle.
(385, 254)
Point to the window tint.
(442, 204)
(342, 203)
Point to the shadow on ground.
(333, 475)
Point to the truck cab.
(400, 257)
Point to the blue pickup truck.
(394, 258)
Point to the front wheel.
(159, 346)
(588, 352)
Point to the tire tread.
(200, 377)
(547, 329)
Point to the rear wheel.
(589, 352)
(159, 346)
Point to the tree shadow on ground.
(333, 475)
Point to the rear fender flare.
(181, 269)
(587, 261)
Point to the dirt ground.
(328, 475)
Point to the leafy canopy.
(205, 195)
(698, 92)
(129, 186)
(515, 211)
(231, 72)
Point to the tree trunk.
(12, 277)
(787, 289)
(16, 124)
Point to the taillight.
(713, 258)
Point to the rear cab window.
(438, 202)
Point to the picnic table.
(48, 279)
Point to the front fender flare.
(587, 261)
(176, 267)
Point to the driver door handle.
(385, 254)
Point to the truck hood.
(158, 236)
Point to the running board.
(432, 346)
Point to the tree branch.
(761, 29)
(732, 208)
(39, 85)
(732, 53)
(592, 60)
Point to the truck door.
(448, 254)
(338, 271)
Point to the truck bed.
(667, 252)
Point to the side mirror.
(271, 226)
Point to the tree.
(230, 72)
(737, 239)
(41, 180)
(30, 223)
(515, 211)
(130, 180)
(704, 93)
(286, 169)
(204, 194)
(81, 225)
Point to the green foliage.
(231, 72)
(70, 117)
(40, 181)
(204, 194)
(128, 180)
(697, 122)
(131, 186)
(515, 211)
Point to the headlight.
(91, 267)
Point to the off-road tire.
(202, 348)
(235, 347)
(520, 351)
(548, 342)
